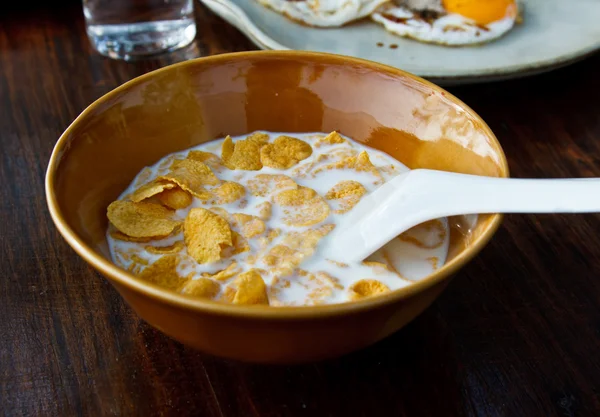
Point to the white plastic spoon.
(421, 194)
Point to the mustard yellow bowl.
(189, 103)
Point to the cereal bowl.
(193, 102)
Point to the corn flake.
(264, 210)
(192, 176)
(208, 158)
(264, 184)
(163, 273)
(239, 245)
(229, 192)
(220, 211)
(347, 194)
(243, 154)
(224, 274)
(141, 220)
(307, 240)
(334, 138)
(227, 149)
(165, 250)
(251, 289)
(206, 234)
(249, 225)
(201, 287)
(228, 294)
(175, 198)
(363, 163)
(115, 234)
(284, 152)
(367, 288)
(296, 197)
(282, 260)
(151, 189)
(201, 156)
(302, 207)
(259, 137)
(359, 163)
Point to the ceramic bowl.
(189, 103)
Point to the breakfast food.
(240, 220)
(444, 22)
(448, 22)
(324, 13)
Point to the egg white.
(324, 13)
(449, 29)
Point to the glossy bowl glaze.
(189, 103)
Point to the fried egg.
(324, 13)
(448, 22)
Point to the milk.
(410, 259)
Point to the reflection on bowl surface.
(190, 103)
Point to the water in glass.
(130, 29)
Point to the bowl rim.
(158, 294)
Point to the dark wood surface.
(517, 333)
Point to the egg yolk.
(482, 11)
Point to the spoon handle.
(453, 194)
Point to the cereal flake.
(347, 194)
(367, 288)
(165, 250)
(229, 192)
(201, 287)
(263, 185)
(284, 152)
(251, 289)
(175, 198)
(150, 189)
(302, 207)
(192, 176)
(206, 234)
(243, 154)
(141, 220)
(249, 225)
(163, 273)
(224, 274)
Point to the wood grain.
(516, 334)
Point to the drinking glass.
(131, 29)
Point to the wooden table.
(517, 333)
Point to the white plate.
(554, 33)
